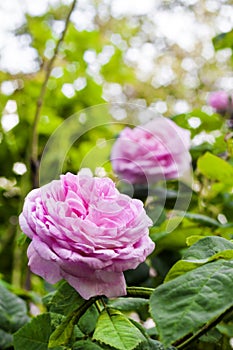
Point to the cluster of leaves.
(189, 293)
(193, 305)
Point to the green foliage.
(123, 74)
(41, 25)
(129, 304)
(203, 251)
(63, 334)
(189, 302)
(206, 122)
(196, 284)
(13, 315)
(207, 248)
(223, 40)
(35, 335)
(114, 329)
(215, 168)
(86, 344)
(64, 300)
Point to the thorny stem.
(34, 142)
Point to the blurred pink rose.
(219, 100)
(85, 231)
(155, 151)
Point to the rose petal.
(49, 270)
(90, 286)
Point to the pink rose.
(219, 100)
(85, 231)
(155, 151)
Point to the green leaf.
(208, 123)
(34, 335)
(181, 267)
(114, 329)
(88, 321)
(193, 239)
(215, 168)
(128, 304)
(213, 336)
(203, 251)
(86, 345)
(6, 339)
(65, 300)
(63, 333)
(13, 311)
(226, 329)
(181, 307)
(148, 343)
(223, 40)
(207, 247)
(84, 313)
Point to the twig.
(139, 292)
(34, 142)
